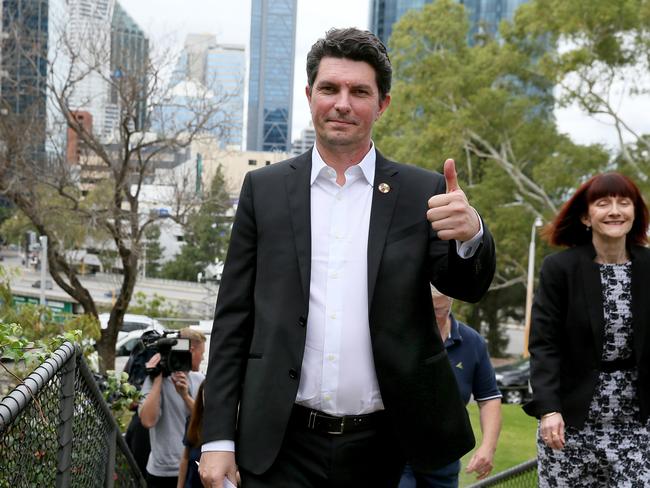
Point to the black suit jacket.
(566, 337)
(258, 336)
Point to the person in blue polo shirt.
(469, 359)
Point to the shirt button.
(293, 374)
(333, 316)
(334, 275)
(302, 321)
(327, 397)
(331, 357)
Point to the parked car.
(48, 284)
(512, 380)
(132, 322)
(124, 346)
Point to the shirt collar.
(367, 164)
(454, 332)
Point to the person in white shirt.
(167, 402)
(324, 367)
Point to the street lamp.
(529, 284)
(43, 240)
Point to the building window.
(252, 162)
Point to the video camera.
(175, 354)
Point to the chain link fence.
(523, 475)
(56, 430)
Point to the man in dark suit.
(325, 368)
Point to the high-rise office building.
(88, 33)
(105, 41)
(23, 69)
(306, 140)
(129, 64)
(270, 87)
(24, 45)
(484, 15)
(221, 69)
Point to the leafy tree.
(601, 55)
(156, 306)
(153, 251)
(488, 109)
(206, 235)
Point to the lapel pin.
(384, 187)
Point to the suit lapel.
(298, 193)
(593, 297)
(640, 272)
(381, 214)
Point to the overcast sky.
(168, 21)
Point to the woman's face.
(610, 218)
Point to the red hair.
(568, 230)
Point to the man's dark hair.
(354, 44)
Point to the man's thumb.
(450, 176)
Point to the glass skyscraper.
(484, 15)
(24, 67)
(270, 87)
(24, 45)
(129, 63)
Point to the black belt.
(617, 365)
(330, 424)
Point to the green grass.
(516, 442)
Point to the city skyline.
(168, 25)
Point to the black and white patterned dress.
(612, 449)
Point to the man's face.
(441, 307)
(197, 349)
(344, 103)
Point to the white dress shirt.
(338, 372)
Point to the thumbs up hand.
(450, 214)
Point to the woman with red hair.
(590, 341)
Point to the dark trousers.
(308, 459)
(445, 477)
(137, 438)
(161, 482)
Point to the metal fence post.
(110, 465)
(66, 412)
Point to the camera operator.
(168, 398)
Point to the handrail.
(16, 401)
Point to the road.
(189, 298)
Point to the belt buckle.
(311, 421)
(340, 430)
